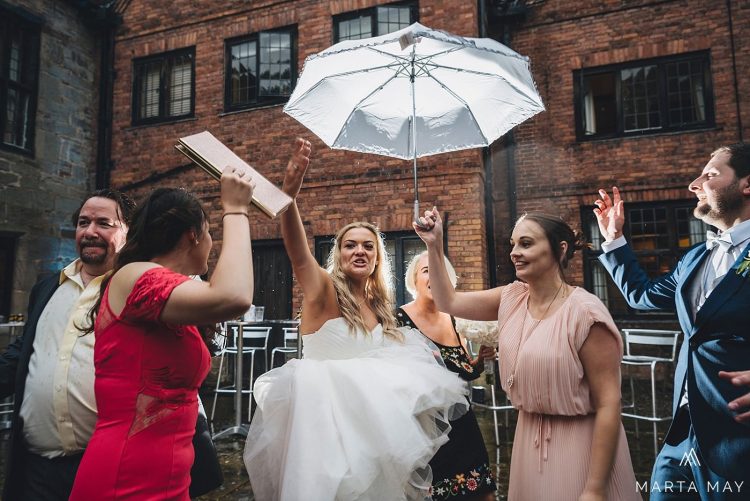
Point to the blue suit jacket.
(718, 338)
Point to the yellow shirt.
(59, 407)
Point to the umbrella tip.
(407, 39)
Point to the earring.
(196, 241)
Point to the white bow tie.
(713, 239)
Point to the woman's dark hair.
(557, 231)
(156, 228)
(159, 223)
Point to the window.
(164, 87)
(658, 234)
(19, 70)
(260, 69)
(644, 97)
(374, 21)
(400, 246)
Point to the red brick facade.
(554, 172)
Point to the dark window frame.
(704, 57)
(669, 255)
(167, 61)
(13, 21)
(260, 101)
(9, 241)
(372, 11)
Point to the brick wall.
(340, 186)
(557, 174)
(39, 193)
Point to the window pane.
(392, 18)
(244, 81)
(275, 77)
(599, 105)
(14, 60)
(149, 92)
(355, 29)
(685, 93)
(17, 119)
(180, 89)
(640, 100)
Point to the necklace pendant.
(510, 380)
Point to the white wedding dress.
(358, 418)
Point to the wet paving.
(237, 485)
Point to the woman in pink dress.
(559, 354)
(149, 357)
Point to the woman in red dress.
(149, 357)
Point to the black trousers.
(48, 479)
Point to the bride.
(360, 416)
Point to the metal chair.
(659, 340)
(254, 341)
(478, 395)
(291, 339)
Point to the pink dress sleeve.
(150, 294)
(593, 311)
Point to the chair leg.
(494, 415)
(653, 406)
(218, 384)
(632, 404)
(250, 395)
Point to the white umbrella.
(412, 93)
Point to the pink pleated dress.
(552, 444)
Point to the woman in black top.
(461, 467)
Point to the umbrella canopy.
(414, 92)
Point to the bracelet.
(237, 213)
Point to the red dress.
(147, 379)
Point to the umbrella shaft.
(414, 131)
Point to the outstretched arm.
(229, 291)
(475, 305)
(310, 276)
(619, 260)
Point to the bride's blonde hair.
(378, 288)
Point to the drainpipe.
(489, 201)
(734, 70)
(106, 90)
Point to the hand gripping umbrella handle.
(416, 216)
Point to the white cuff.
(614, 244)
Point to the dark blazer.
(718, 338)
(14, 367)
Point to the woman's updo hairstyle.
(556, 230)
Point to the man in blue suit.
(710, 290)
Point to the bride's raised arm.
(311, 277)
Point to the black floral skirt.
(461, 467)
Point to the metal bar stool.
(291, 340)
(648, 338)
(478, 395)
(254, 340)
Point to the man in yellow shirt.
(50, 367)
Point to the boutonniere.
(744, 268)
